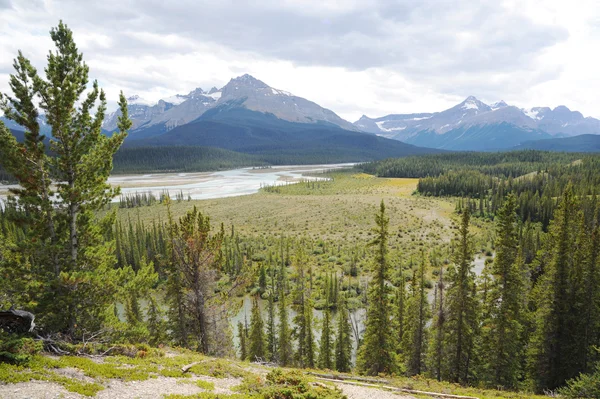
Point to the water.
(212, 185)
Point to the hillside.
(275, 140)
(582, 143)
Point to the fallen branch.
(187, 368)
(342, 377)
(405, 390)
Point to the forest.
(371, 297)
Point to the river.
(210, 185)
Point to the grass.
(253, 385)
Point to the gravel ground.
(358, 392)
(36, 390)
(117, 389)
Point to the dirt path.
(117, 389)
(358, 392)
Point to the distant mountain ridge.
(155, 119)
(474, 125)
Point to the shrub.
(17, 349)
(585, 386)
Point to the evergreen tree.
(257, 347)
(156, 326)
(305, 344)
(309, 354)
(555, 353)
(506, 302)
(271, 328)
(60, 194)
(326, 347)
(343, 339)
(400, 308)
(377, 352)
(242, 335)
(462, 315)
(417, 316)
(285, 341)
(436, 347)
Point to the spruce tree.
(506, 302)
(242, 335)
(553, 356)
(284, 355)
(377, 352)
(301, 305)
(326, 347)
(462, 321)
(400, 310)
(155, 323)
(61, 194)
(343, 339)
(417, 316)
(436, 346)
(257, 346)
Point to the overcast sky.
(352, 56)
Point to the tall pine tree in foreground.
(326, 347)
(343, 338)
(61, 194)
(417, 315)
(377, 352)
(257, 347)
(502, 332)
(462, 316)
(284, 356)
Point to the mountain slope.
(474, 125)
(168, 113)
(582, 143)
(234, 127)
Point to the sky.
(354, 57)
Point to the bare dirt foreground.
(117, 389)
(159, 387)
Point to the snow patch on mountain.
(533, 114)
(393, 129)
(137, 100)
(214, 94)
(470, 105)
(175, 100)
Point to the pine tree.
(343, 339)
(462, 316)
(155, 324)
(377, 352)
(326, 346)
(75, 262)
(417, 316)
(272, 347)
(303, 318)
(553, 355)
(310, 356)
(436, 346)
(506, 302)
(284, 342)
(257, 347)
(400, 310)
(242, 335)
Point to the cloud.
(353, 57)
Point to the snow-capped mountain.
(247, 91)
(44, 127)
(474, 125)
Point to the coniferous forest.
(161, 272)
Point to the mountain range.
(247, 115)
(474, 125)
